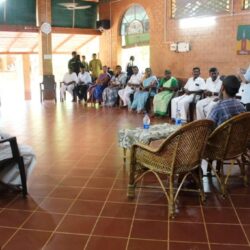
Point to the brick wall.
(213, 46)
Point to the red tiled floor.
(118, 210)
(97, 243)
(77, 224)
(43, 221)
(232, 234)
(149, 230)
(112, 227)
(79, 189)
(81, 207)
(27, 240)
(192, 232)
(62, 241)
(147, 245)
(13, 218)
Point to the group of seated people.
(139, 90)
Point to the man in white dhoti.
(10, 174)
(69, 81)
(213, 86)
(132, 85)
(180, 104)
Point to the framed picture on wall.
(243, 40)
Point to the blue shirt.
(225, 109)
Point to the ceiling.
(27, 42)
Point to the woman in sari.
(95, 91)
(110, 94)
(147, 89)
(167, 86)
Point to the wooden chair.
(50, 83)
(229, 142)
(16, 159)
(179, 154)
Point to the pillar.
(45, 48)
(26, 76)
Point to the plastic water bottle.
(178, 118)
(146, 121)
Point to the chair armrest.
(13, 145)
(145, 147)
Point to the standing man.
(213, 86)
(245, 88)
(130, 67)
(84, 80)
(180, 104)
(74, 63)
(132, 85)
(95, 66)
(68, 83)
(84, 63)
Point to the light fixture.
(197, 22)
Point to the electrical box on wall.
(179, 47)
(183, 47)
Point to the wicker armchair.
(179, 154)
(229, 142)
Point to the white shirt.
(70, 78)
(213, 86)
(120, 79)
(84, 78)
(247, 75)
(195, 85)
(244, 92)
(136, 79)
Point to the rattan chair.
(179, 154)
(229, 142)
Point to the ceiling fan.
(74, 6)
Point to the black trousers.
(247, 106)
(81, 92)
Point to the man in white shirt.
(213, 86)
(68, 83)
(84, 80)
(244, 90)
(132, 85)
(180, 104)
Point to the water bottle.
(146, 121)
(178, 118)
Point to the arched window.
(135, 27)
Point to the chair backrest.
(229, 140)
(183, 150)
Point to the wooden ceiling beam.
(85, 42)
(13, 41)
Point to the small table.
(127, 137)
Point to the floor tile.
(151, 212)
(119, 210)
(40, 190)
(154, 198)
(220, 215)
(149, 230)
(97, 243)
(232, 234)
(55, 205)
(241, 201)
(77, 224)
(5, 234)
(228, 247)
(73, 181)
(29, 203)
(65, 192)
(146, 245)
(81, 207)
(96, 194)
(112, 227)
(13, 218)
(190, 232)
(100, 183)
(244, 215)
(120, 196)
(189, 246)
(43, 221)
(28, 240)
(60, 241)
(83, 172)
(188, 214)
